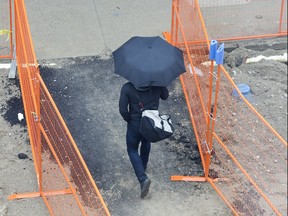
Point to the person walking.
(130, 109)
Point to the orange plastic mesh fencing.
(249, 157)
(5, 29)
(27, 67)
(196, 79)
(64, 181)
(61, 156)
(235, 142)
(244, 18)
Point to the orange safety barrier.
(235, 142)
(6, 40)
(242, 19)
(64, 181)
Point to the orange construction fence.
(235, 142)
(244, 158)
(64, 181)
(242, 19)
(6, 40)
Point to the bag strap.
(140, 103)
(162, 123)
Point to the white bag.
(155, 127)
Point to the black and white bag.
(155, 127)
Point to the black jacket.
(130, 97)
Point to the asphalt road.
(86, 91)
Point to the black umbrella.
(148, 61)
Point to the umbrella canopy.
(148, 61)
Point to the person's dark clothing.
(139, 163)
(130, 110)
(129, 101)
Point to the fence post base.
(38, 194)
(195, 179)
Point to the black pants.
(139, 162)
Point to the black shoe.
(145, 187)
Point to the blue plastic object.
(220, 54)
(244, 89)
(213, 49)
